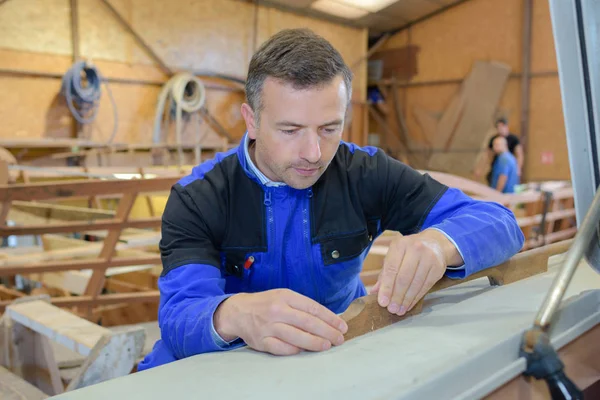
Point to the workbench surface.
(464, 345)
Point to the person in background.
(505, 168)
(514, 145)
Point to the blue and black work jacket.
(226, 229)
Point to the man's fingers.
(375, 287)
(431, 279)
(313, 325)
(387, 279)
(278, 347)
(299, 338)
(416, 286)
(315, 309)
(404, 279)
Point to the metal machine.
(576, 25)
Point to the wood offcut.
(364, 314)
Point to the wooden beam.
(168, 71)
(74, 301)
(96, 282)
(83, 226)
(69, 265)
(58, 190)
(9, 294)
(69, 330)
(61, 212)
(15, 387)
(526, 69)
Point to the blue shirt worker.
(263, 245)
(505, 170)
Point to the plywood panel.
(543, 55)
(400, 39)
(546, 132)
(31, 25)
(431, 99)
(204, 35)
(475, 30)
(31, 108)
(101, 35)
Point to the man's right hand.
(279, 321)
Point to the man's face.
(500, 145)
(502, 128)
(299, 131)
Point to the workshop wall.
(488, 30)
(203, 35)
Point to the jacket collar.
(250, 168)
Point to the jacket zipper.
(270, 227)
(308, 244)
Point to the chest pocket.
(232, 266)
(344, 247)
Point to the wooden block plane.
(364, 314)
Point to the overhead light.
(339, 9)
(369, 5)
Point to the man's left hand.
(411, 267)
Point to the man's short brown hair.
(296, 56)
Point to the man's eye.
(330, 130)
(288, 131)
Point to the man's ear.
(248, 115)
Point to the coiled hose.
(86, 97)
(189, 95)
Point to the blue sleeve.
(485, 233)
(189, 296)
(503, 167)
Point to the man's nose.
(311, 148)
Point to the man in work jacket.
(263, 245)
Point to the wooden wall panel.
(345, 39)
(31, 25)
(30, 108)
(547, 132)
(451, 42)
(475, 30)
(103, 38)
(433, 100)
(203, 35)
(543, 54)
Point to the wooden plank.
(91, 249)
(365, 315)
(482, 90)
(74, 301)
(46, 191)
(80, 226)
(108, 249)
(61, 212)
(69, 330)
(68, 265)
(33, 360)
(13, 387)
(9, 294)
(550, 217)
(113, 356)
